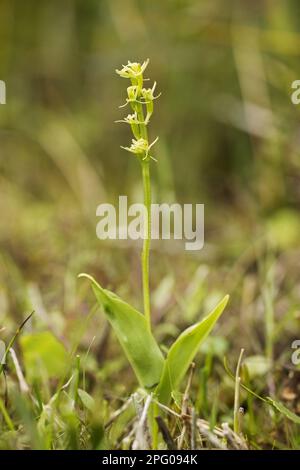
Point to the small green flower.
(130, 119)
(148, 93)
(141, 147)
(138, 146)
(148, 96)
(132, 92)
(133, 70)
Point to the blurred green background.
(229, 138)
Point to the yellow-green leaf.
(136, 340)
(183, 351)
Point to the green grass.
(228, 138)
(94, 403)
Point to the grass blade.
(10, 344)
(284, 410)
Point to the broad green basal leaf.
(131, 329)
(183, 351)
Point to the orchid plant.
(158, 375)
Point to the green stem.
(147, 203)
(146, 244)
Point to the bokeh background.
(229, 138)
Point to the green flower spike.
(141, 100)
